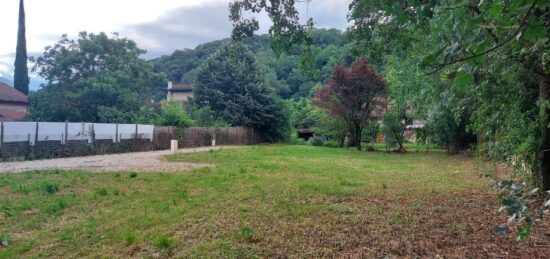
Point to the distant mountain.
(6, 80)
(330, 47)
(34, 83)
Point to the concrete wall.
(179, 96)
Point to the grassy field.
(261, 201)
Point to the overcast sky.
(159, 26)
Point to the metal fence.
(40, 140)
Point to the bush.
(294, 140)
(133, 175)
(173, 114)
(316, 141)
(331, 143)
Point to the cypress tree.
(21, 73)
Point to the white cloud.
(181, 23)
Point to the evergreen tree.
(21, 75)
(233, 86)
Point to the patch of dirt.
(141, 162)
(457, 225)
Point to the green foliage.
(173, 114)
(131, 238)
(101, 191)
(283, 73)
(48, 188)
(232, 85)
(132, 175)
(164, 242)
(95, 79)
(521, 207)
(316, 141)
(331, 143)
(204, 116)
(303, 114)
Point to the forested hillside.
(284, 73)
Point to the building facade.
(179, 92)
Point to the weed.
(131, 238)
(101, 191)
(398, 218)
(5, 239)
(247, 234)
(133, 175)
(48, 188)
(164, 242)
(57, 206)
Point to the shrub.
(316, 141)
(331, 143)
(294, 140)
(133, 175)
(173, 114)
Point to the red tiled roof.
(10, 94)
(12, 115)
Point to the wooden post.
(66, 132)
(1, 136)
(92, 134)
(116, 133)
(28, 155)
(36, 134)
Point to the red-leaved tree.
(356, 95)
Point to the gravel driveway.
(153, 161)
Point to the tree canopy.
(357, 95)
(94, 79)
(233, 86)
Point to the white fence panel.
(51, 131)
(26, 131)
(19, 131)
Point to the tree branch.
(521, 27)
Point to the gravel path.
(153, 161)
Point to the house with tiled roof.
(13, 104)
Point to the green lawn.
(261, 201)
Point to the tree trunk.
(544, 82)
(358, 131)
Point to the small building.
(410, 130)
(179, 92)
(305, 134)
(14, 105)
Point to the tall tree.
(21, 73)
(94, 79)
(233, 86)
(356, 95)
